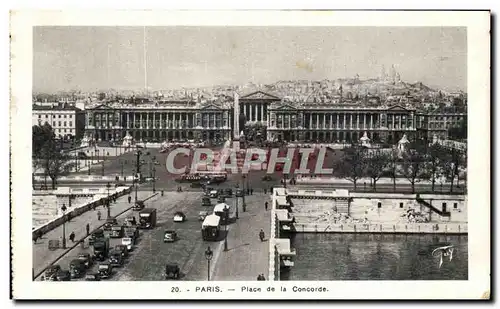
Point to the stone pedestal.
(236, 145)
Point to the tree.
(435, 160)
(41, 135)
(55, 163)
(413, 165)
(454, 160)
(352, 166)
(376, 164)
(458, 132)
(393, 166)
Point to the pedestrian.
(266, 204)
(251, 191)
(129, 199)
(72, 237)
(265, 191)
(99, 215)
(261, 235)
(87, 227)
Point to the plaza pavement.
(247, 256)
(42, 256)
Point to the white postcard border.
(478, 285)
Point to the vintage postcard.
(250, 155)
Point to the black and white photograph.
(210, 157)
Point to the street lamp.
(237, 215)
(226, 215)
(135, 180)
(208, 256)
(108, 186)
(244, 193)
(97, 154)
(91, 161)
(63, 209)
(102, 170)
(154, 179)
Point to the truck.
(147, 218)
(101, 248)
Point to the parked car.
(77, 268)
(139, 205)
(63, 275)
(169, 236)
(179, 217)
(86, 259)
(96, 235)
(110, 222)
(221, 199)
(50, 273)
(228, 192)
(172, 271)
(116, 258)
(214, 193)
(123, 249)
(128, 242)
(202, 215)
(205, 201)
(105, 270)
(93, 277)
(239, 193)
(116, 231)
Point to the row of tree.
(47, 156)
(418, 162)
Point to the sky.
(94, 58)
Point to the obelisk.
(236, 122)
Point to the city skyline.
(93, 58)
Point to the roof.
(60, 107)
(220, 207)
(211, 220)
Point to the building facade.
(66, 120)
(283, 120)
(338, 123)
(159, 121)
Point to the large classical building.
(284, 120)
(159, 121)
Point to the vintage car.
(116, 231)
(267, 178)
(123, 249)
(116, 258)
(132, 232)
(239, 193)
(169, 236)
(77, 268)
(110, 222)
(96, 235)
(205, 201)
(172, 271)
(139, 205)
(86, 259)
(128, 242)
(50, 273)
(214, 193)
(105, 270)
(202, 215)
(63, 275)
(130, 221)
(179, 217)
(93, 277)
(221, 199)
(228, 192)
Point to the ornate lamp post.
(154, 179)
(108, 186)
(208, 256)
(244, 193)
(102, 168)
(237, 215)
(97, 154)
(91, 161)
(135, 180)
(226, 216)
(63, 209)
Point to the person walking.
(129, 199)
(87, 228)
(251, 191)
(99, 215)
(261, 235)
(266, 204)
(72, 237)
(265, 191)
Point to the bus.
(210, 228)
(219, 211)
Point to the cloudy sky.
(91, 58)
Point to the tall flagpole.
(145, 61)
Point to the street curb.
(83, 239)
